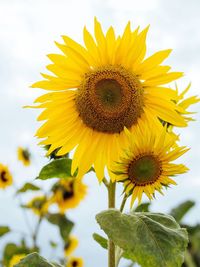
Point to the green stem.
(26, 219)
(189, 260)
(111, 245)
(35, 234)
(123, 203)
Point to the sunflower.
(39, 205)
(16, 259)
(70, 245)
(98, 89)
(75, 262)
(5, 176)
(24, 156)
(68, 193)
(184, 103)
(146, 164)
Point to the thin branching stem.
(111, 204)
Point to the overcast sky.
(28, 29)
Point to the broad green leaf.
(180, 211)
(151, 239)
(4, 230)
(35, 260)
(58, 168)
(64, 224)
(144, 207)
(27, 187)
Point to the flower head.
(98, 89)
(24, 155)
(146, 164)
(39, 205)
(68, 193)
(70, 245)
(75, 262)
(5, 176)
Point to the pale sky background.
(28, 29)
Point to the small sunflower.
(39, 205)
(24, 156)
(146, 165)
(70, 245)
(75, 262)
(68, 193)
(16, 259)
(185, 103)
(5, 176)
(98, 89)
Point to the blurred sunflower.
(70, 245)
(24, 156)
(68, 193)
(5, 176)
(39, 205)
(100, 88)
(16, 259)
(146, 164)
(75, 262)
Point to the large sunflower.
(99, 88)
(146, 163)
(5, 176)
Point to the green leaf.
(64, 224)
(27, 187)
(102, 241)
(180, 211)
(144, 207)
(58, 168)
(4, 230)
(35, 260)
(150, 239)
(53, 244)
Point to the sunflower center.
(67, 194)
(3, 176)
(67, 245)
(110, 98)
(75, 263)
(26, 155)
(144, 170)
(68, 191)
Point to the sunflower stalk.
(35, 234)
(123, 203)
(189, 260)
(111, 204)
